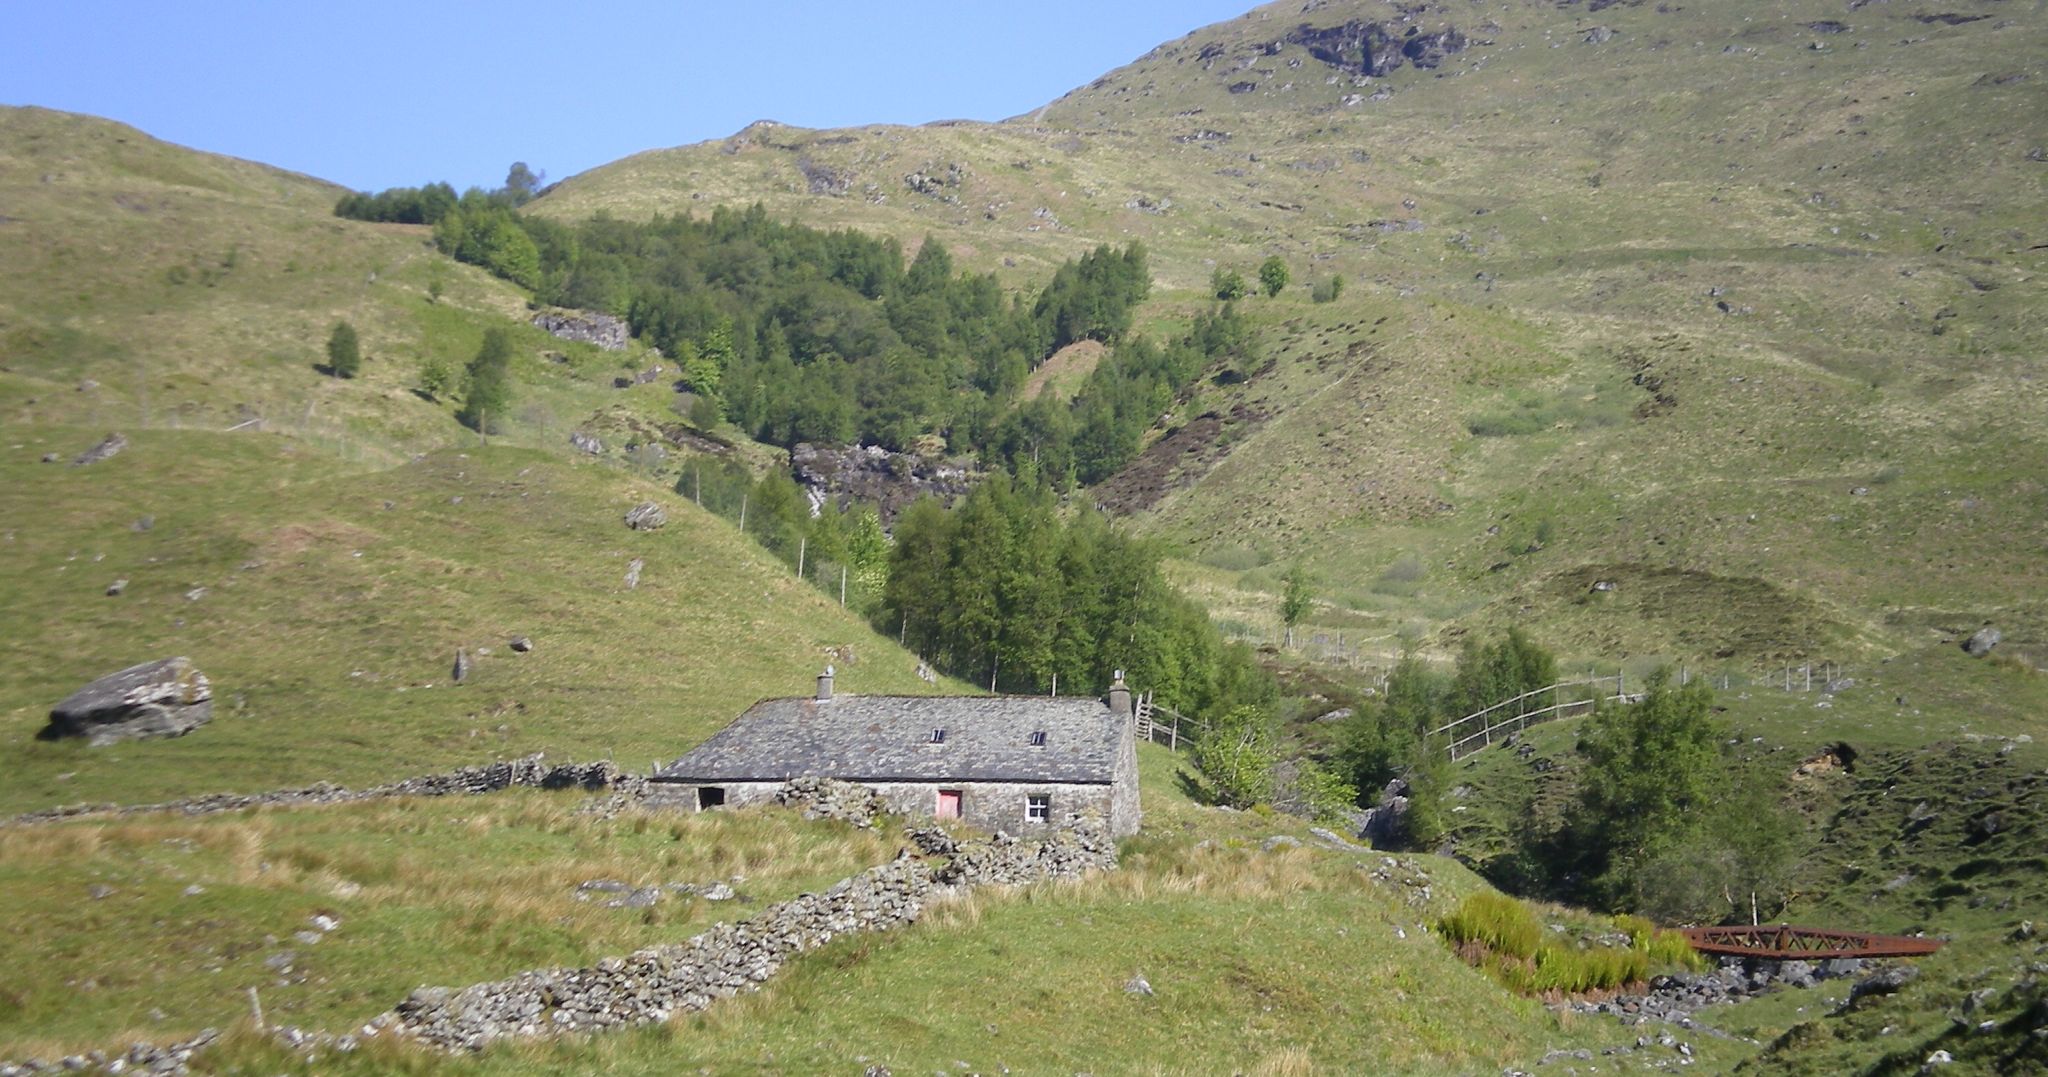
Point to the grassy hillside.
(322, 547)
(1264, 957)
(327, 605)
(1706, 300)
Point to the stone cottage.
(1011, 763)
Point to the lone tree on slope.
(488, 384)
(344, 352)
(1273, 274)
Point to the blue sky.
(376, 94)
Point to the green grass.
(1486, 367)
(334, 601)
(1504, 936)
(196, 911)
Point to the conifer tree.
(344, 354)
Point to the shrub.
(1325, 792)
(1236, 754)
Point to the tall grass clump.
(1504, 936)
(1496, 922)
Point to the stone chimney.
(1119, 697)
(825, 686)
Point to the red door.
(949, 804)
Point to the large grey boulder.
(110, 445)
(646, 516)
(1982, 641)
(165, 698)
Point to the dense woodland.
(797, 334)
(1008, 591)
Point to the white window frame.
(1038, 807)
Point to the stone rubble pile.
(531, 772)
(1003, 860)
(140, 1057)
(830, 798)
(1676, 998)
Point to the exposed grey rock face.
(633, 573)
(587, 327)
(461, 671)
(646, 516)
(1982, 641)
(1599, 35)
(108, 446)
(586, 443)
(875, 476)
(164, 698)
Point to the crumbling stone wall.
(532, 772)
(651, 985)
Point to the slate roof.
(888, 738)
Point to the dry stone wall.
(532, 772)
(652, 985)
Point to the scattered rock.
(1599, 35)
(1982, 641)
(1138, 985)
(717, 892)
(587, 327)
(460, 672)
(646, 516)
(521, 644)
(99, 891)
(164, 698)
(633, 573)
(143, 524)
(109, 446)
(1886, 982)
(586, 443)
(117, 587)
(1604, 586)
(50, 458)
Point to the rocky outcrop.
(1374, 49)
(586, 327)
(165, 698)
(874, 475)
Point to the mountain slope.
(1737, 304)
